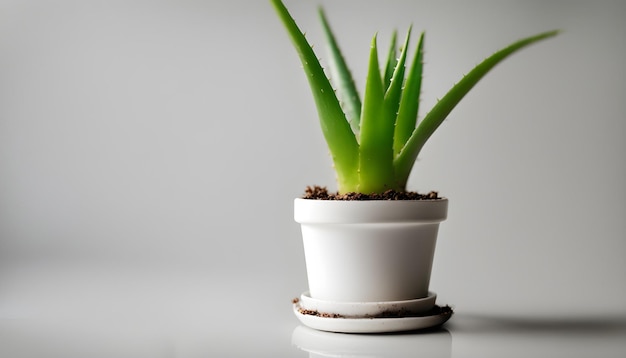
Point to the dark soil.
(436, 310)
(321, 193)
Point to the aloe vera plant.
(375, 142)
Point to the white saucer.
(368, 309)
(373, 325)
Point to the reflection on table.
(432, 343)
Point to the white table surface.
(464, 336)
(100, 311)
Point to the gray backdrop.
(150, 153)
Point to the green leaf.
(376, 155)
(395, 89)
(392, 59)
(404, 162)
(409, 104)
(340, 74)
(341, 140)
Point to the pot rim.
(312, 211)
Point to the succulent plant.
(375, 143)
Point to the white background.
(150, 153)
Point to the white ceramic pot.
(369, 251)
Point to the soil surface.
(321, 193)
